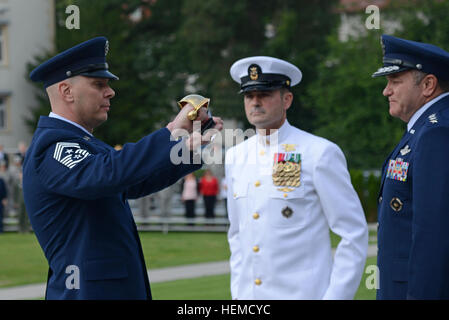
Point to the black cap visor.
(100, 74)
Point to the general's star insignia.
(69, 154)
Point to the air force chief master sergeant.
(76, 187)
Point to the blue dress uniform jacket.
(413, 211)
(76, 189)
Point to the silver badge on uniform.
(405, 150)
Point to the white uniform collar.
(57, 116)
(421, 110)
(277, 135)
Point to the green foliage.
(351, 108)
(185, 46)
(197, 41)
(367, 188)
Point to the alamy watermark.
(73, 20)
(372, 280)
(72, 282)
(373, 20)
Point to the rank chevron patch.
(69, 154)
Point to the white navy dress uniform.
(279, 227)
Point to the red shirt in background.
(209, 186)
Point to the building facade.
(27, 29)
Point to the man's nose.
(110, 93)
(387, 91)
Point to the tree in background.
(219, 33)
(145, 97)
(162, 50)
(351, 109)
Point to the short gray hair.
(419, 75)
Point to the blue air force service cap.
(86, 59)
(263, 73)
(400, 55)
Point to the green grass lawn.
(22, 262)
(217, 288)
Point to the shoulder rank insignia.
(397, 170)
(405, 150)
(69, 154)
(433, 118)
(287, 169)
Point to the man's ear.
(287, 99)
(430, 84)
(65, 89)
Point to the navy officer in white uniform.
(413, 210)
(286, 189)
(76, 187)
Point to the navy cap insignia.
(287, 212)
(396, 204)
(254, 71)
(69, 154)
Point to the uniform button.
(256, 248)
(257, 183)
(262, 152)
(380, 199)
(256, 215)
(258, 282)
(285, 195)
(235, 195)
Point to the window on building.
(2, 44)
(2, 113)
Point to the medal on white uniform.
(287, 169)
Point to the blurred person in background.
(3, 201)
(209, 190)
(3, 156)
(189, 195)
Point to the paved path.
(36, 291)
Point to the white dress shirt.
(57, 116)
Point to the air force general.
(286, 189)
(413, 212)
